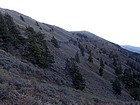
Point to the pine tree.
(118, 70)
(3, 28)
(90, 59)
(9, 33)
(116, 86)
(129, 81)
(37, 50)
(77, 78)
(12, 29)
(13, 33)
(3, 31)
(102, 66)
(102, 63)
(77, 59)
(101, 71)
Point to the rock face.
(23, 79)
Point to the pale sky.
(115, 20)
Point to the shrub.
(118, 70)
(77, 59)
(55, 42)
(30, 31)
(116, 86)
(102, 66)
(22, 18)
(37, 24)
(135, 93)
(114, 62)
(90, 59)
(101, 71)
(102, 63)
(3, 91)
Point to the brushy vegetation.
(132, 83)
(118, 70)
(35, 46)
(77, 58)
(116, 86)
(21, 78)
(55, 42)
(3, 91)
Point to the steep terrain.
(38, 65)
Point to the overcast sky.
(115, 20)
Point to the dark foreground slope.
(39, 65)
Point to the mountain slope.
(29, 82)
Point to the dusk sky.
(115, 20)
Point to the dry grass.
(27, 84)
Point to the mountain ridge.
(131, 48)
(34, 82)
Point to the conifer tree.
(102, 63)
(102, 66)
(135, 93)
(77, 78)
(37, 50)
(116, 86)
(118, 70)
(129, 81)
(77, 59)
(90, 59)
(101, 71)
(9, 33)
(12, 29)
(3, 29)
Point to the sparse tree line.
(37, 52)
(131, 81)
(34, 47)
(128, 77)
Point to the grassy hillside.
(44, 64)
